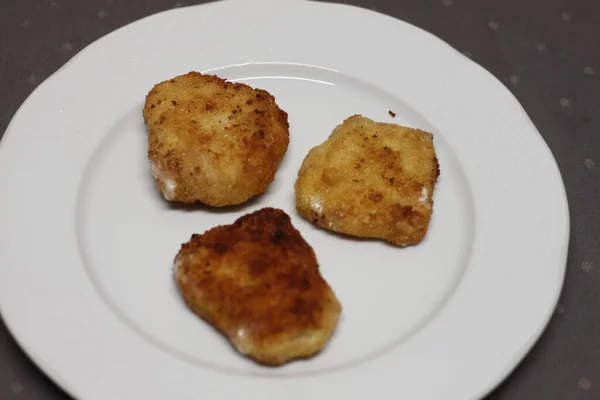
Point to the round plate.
(87, 242)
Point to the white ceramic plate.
(86, 242)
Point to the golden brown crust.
(213, 141)
(372, 180)
(258, 282)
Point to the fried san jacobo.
(370, 179)
(258, 282)
(213, 141)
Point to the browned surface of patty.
(258, 282)
(372, 180)
(213, 141)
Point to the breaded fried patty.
(372, 180)
(258, 282)
(213, 141)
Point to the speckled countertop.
(546, 51)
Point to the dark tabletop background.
(546, 51)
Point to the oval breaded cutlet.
(213, 141)
(370, 179)
(258, 282)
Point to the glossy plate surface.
(87, 242)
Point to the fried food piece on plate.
(258, 282)
(371, 180)
(213, 141)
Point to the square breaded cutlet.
(371, 180)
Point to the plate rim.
(56, 376)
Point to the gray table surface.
(546, 51)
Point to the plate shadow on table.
(506, 388)
(21, 364)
